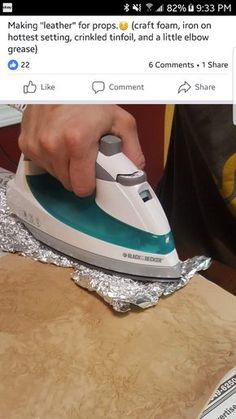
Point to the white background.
(72, 67)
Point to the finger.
(35, 154)
(60, 165)
(127, 131)
(82, 172)
(50, 153)
(45, 165)
(132, 149)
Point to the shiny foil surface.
(120, 292)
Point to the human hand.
(63, 140)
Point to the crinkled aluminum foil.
(120, 292)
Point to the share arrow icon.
(185, 87)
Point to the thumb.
(130, 142)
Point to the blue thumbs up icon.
(13, 65)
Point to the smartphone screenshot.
(118, 162)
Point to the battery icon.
(191, 8)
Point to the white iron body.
(122, 192)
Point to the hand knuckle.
(73, 140)
(22, 143)
(48, 144)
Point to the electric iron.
(122, 228)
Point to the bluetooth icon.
(126, 7)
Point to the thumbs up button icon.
(30, 87)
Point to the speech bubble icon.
(98, 86)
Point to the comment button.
(98, 86)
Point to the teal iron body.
(122, 228)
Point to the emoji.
(123, 25)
